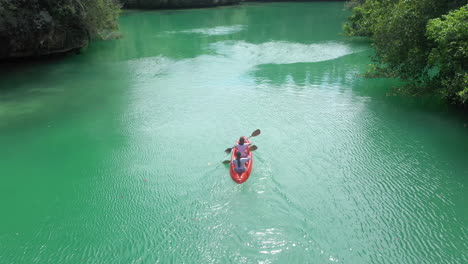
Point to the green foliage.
(450, 55)
(366, 15)
(403, 49)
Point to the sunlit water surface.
(114, 155)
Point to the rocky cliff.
(31, 28)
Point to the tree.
(398, 31)
(450, 55)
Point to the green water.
(113, 156)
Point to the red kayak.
(240, 178)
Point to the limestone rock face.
(34, 28)
(53, 38)
(176, 3)
(35, 32)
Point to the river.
(114, 155)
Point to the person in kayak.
(242, 147)
(239, 163)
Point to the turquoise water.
(114, 155)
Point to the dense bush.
(408, 45)
(450, 55)
(38, 27)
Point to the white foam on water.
(280, 52)
(235, 58)
(149, 67)
(214, 31)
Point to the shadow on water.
(54, 88)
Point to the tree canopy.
(423, 42)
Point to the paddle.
(251, 148)
(254, 134)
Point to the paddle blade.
(226, 161)
(255, 133)
(228, 150)
(253, 148)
